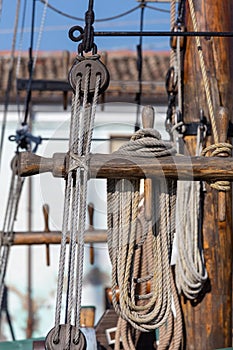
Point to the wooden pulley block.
(51, 345)
(87, 316)
(80, 68)
(173, 41)
(171, 82)
(148, 116)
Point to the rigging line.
(157, 9)
(32, 61)
(30, 65)
(53, 8)
(40, 32)
(20, 56)
(139, 66)
(9, 81)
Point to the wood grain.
(115, 166)
(208, 321)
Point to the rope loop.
(218, 149)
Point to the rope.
(9, 80)
(10, 217)
(128, 233)
(172, 23)
(190, 271)
(204, 72)
(42, 23)
(74, 213)
(176, 129)
(219, 185)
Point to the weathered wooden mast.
(208, 322)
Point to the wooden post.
(208, 321)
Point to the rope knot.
(76, 161)
(219, 150)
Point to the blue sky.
(56, 26)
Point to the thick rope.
(204, 72)
(227, 148)
(148, 310)
(190, 271)
(172, 23)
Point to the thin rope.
(225, 147)
(8, 224)
(42, 24)
(9, 80)
(204, 73)
(74, 213)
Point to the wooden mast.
(208, 322)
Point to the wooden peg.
(91, 228)
(223, 119)
(46, 230)
(148, 122)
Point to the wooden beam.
(116, 166)
(53, 237)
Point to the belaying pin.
(148, 122)
(46, 230)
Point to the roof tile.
(122, 66)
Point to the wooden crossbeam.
(116, 166)
(53, 237)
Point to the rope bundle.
(74, 217)
(7, 233)
(131, 238)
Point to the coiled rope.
(149, 310)
(188, 257)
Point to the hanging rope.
(10, 217)
(139, 68)
(9, 79)
(126, 236)
(217, 147)
(190, 271)
(75, 206)
(172, 23)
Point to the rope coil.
(134, 242)
(216, 150)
